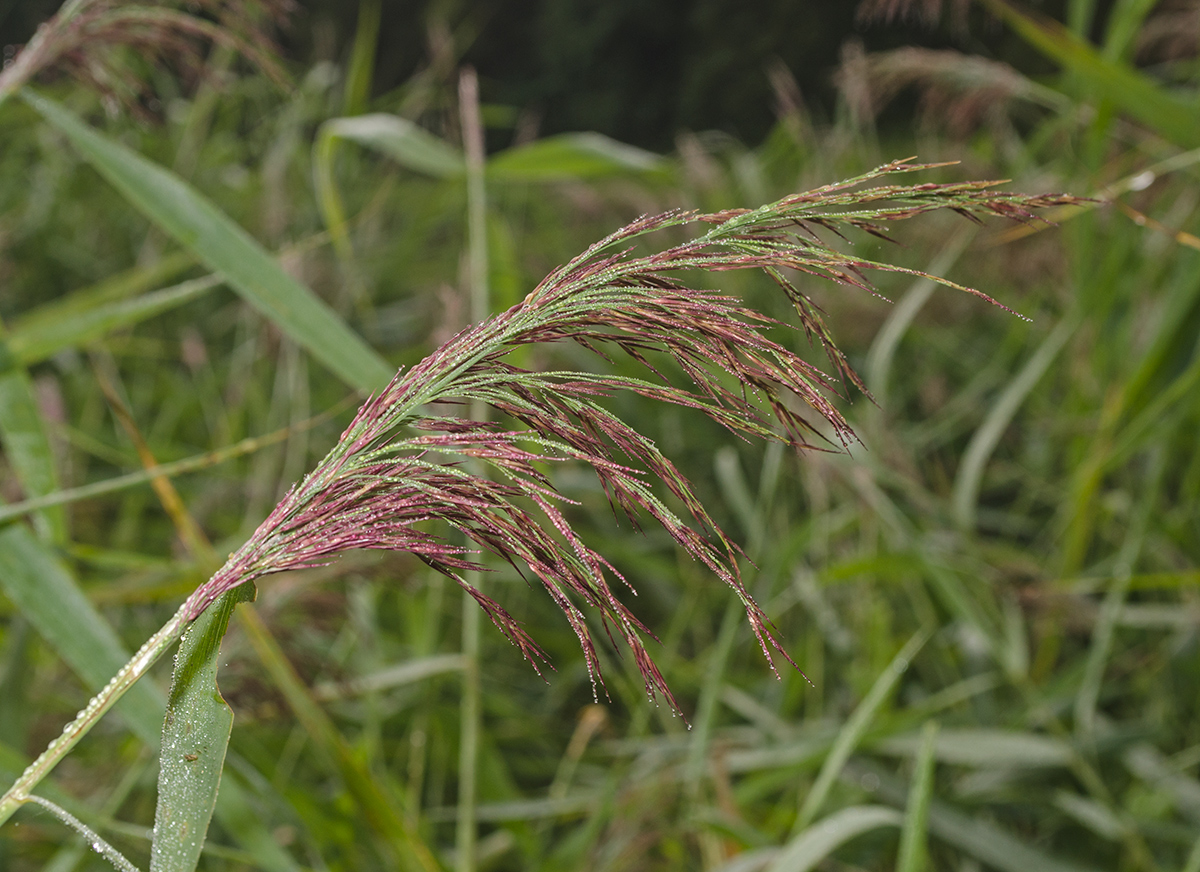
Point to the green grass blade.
(986, 748)
(374, 800)
(409, 145)
(101, 847)
(976, 837)
(27, 447)
(1134, 93)
(132, 282)
(1124, 23)
(362, 57)
(852, 732)
(35, 341)
(571, 156)
(820, 840)
(195, 737)
(887, 340)
(987, 842)
(42, 588)
(913, 853)
(984, 441)
(225, 248)
(1193, 860)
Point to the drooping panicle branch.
(401, 474)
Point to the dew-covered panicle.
(403, 476)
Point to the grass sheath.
(404, 472)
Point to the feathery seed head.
(398, 471)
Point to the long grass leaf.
(362, 57)
(852, 732)
(984, 441)
(986, 748)
(912, 856)
(883, 348)
(571, 156)
(377, 806)
(820, 840)
(44, 591)
(227, 249)
(27, 446)
(411, 146)
(195, 736)
(132, 282)
(35, 341)
(1136, 94)
(99, 845)
(974, 836)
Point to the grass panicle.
(399, 468)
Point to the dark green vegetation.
(994, 594)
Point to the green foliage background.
(1022, 511)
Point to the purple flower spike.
(399, 472)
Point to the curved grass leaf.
(984, 441)
(40, 339)
(1135, 93)
(195, 735)
(408, 144)
(42, 588)
(101, 847)
(974, 836)
(570, 156)
(987, 748)
(132, 282)
(820, 840)
(852, 732)
(411, 146)
(227, 249)
(913, 853)
(44, 591)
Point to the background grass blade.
(375, 803)
(38, 340)
(986, 748)
(976, 837)
(571, 156)
(914, 850)
(223, 246)
(1133, 92)
(195, 735)
(984, 441)
(820, 840)
(362, 57)
(26, 445)
(409, 145)
(852, 732)
(43, 590)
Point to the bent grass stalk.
(401, 471)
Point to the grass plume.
(399, 469)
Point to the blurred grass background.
(994, 595)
